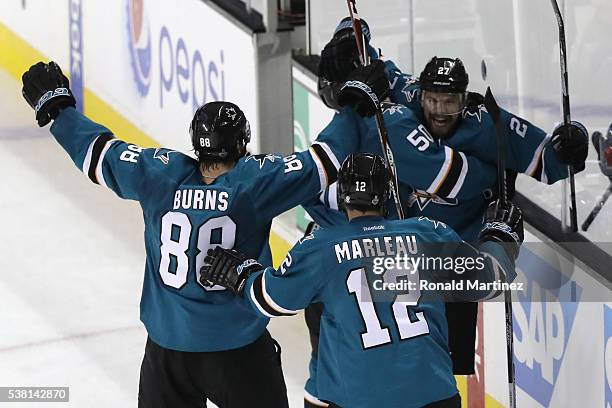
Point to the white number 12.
(375, 334)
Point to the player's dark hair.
(363, 183)
(444, 75)
(219, 133)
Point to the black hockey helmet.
(444, 75)
(219, 131)
(363, 182)
(345, 26)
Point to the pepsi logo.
(139, 34)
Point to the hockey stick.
(380, 122)
(589, 220)
(595, 139)
(500, 131)
(567, 119)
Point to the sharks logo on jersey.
(474, 112)
(435, 223)
(262, 158)
(409, 91)
(163, 155)
(423, 198)
(392, 109)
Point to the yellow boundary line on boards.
(17, 55)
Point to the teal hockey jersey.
(528, 151)
(184, 217)
(376, 349)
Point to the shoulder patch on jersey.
(163, 154)
(393, 108)
(475, 112)
(435, 223)
(409, 93)
(423, 198)
(262, 158)
(306, 238)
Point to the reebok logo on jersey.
(374, 228)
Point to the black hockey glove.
(473, 101)
(571, 150)
(339, 58)
(504, 226)
(47, 91)
(227, 268)
(365, 89)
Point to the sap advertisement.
(562, 335)
(153, 62)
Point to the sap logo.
(608, 354)
(543, 320)
(139, 34)
(182, 71)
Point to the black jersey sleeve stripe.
(331, 170)
(453, 176)
(96, 153)
(259, 298)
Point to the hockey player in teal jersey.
(456, 119)
(225, 198)
(374, 351)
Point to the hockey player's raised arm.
(543, 156)
(104, 159)
(280, 184)
(404, 88)
(277, 184)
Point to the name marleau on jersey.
(398, 245)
